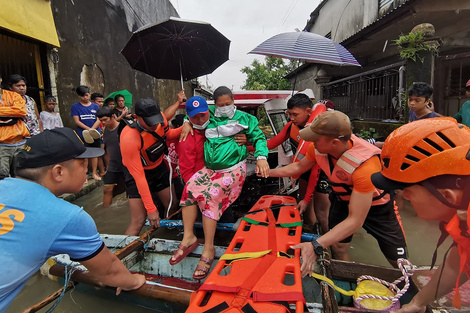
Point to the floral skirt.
(214, 191)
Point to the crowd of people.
(353, 182)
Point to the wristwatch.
(317, 248)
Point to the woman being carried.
(219, 183)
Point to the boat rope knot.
(69, 270)
(145, 243)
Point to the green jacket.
(220, 149)
(463, 116)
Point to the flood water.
(421, 236)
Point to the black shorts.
(96, 144)
(381, 222)
(120, 181)
(322, 184)
(158, 178)
(114, 178)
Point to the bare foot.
(96, 177)
(102, 173)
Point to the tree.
(269, 75)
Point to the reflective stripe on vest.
(340, 177)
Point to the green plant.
(411, 45)
(367, 134)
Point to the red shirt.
(191, 154)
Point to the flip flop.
(87, 136)
(94, 133)
(203, 268)
(186, 250)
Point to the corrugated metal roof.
(385, 10)
(386, 7)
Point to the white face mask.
(201, 127)
(225, 111)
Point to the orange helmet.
(423, 149)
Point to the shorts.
(8, 160)
(158, 178)
(96, 144)
(115, 179)
(382, 222)
(323, 185)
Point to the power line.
(286, 16)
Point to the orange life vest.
(153, 144)
(302, 146)
(463, 245)
(340, 176)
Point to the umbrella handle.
(181, 75)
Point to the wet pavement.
(421, 236)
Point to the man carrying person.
(299, 110)
(348, 161)
(430, 161)
(13, 130)
(143, 147)
(88, 126)
(51, 163)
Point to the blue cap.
(196, 105)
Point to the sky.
(247, 23)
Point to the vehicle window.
(278, 121)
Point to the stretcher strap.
(284, 225)
(218, 308)
(244, 255)
(272, 207)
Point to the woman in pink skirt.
(216, 186)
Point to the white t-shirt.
(50, 120)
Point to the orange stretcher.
(259, 272)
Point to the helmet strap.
(439, 195)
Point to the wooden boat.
(169, 287)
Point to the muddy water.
(421, 236)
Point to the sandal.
(186, 250)
(94, 133)
(203, 268)
(87, 137)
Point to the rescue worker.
(301, 114)
(143, 147)
(430, 160)
(348, 161)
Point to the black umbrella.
(177, 49)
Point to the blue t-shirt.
(35, 225)
(86, 115)
(414, 118)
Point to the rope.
(398, 292)
(67, 276)
(145, 243)
(171, 177)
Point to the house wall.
(368, 28)
(345, 20)
(92, 34)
